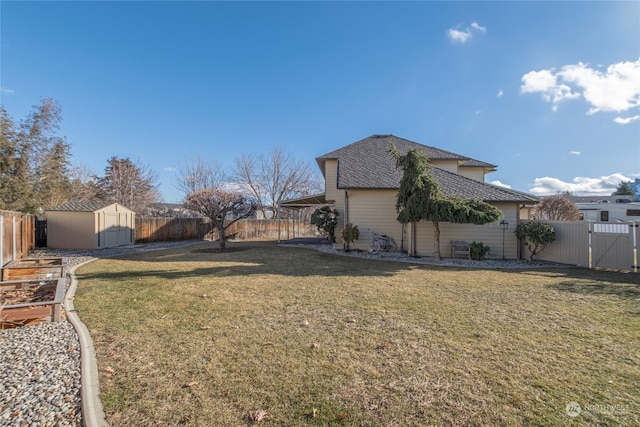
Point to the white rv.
(620, 210)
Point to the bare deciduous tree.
(83, 183)
(199, 174)
(204, 184)
(222, 207)
(273, 177)
(556, 208)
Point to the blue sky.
(548, 91)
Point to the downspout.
(413, 239)
(279, 222)
(346, 207)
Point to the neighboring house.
(361, 182)
(90, 225)
(168, 210)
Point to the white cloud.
(575, 153)
(458, 35)
(547, 83)
(626, 120)
(500, 184)
(580, 186)
(170, 169)
(7, 91)
(500, 93)
(617, 89)
(476, 26)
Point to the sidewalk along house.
(90, 225)
(361, 182)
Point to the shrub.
(478, 250)
(350, 234)
(326, 219)
(538, 235)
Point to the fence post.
(590, 249)
(13, 237)
(635, 246)
(1, 240)
(279, 222)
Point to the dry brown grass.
(297, 337)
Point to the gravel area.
(40, 364)
(451, 262)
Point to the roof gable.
(381, 144)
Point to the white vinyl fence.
(593, 244)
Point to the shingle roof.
(81, 206)
(477, 163)
(368, 164)
(458, 185)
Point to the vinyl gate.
(593, 244)
(614, 245)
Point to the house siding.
(448, 165)
(335, 195)
(472, 173)
(331, 180)
(374, 210)
(490, 235)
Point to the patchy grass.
(288, 336)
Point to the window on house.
(604, 216)
(633, 212)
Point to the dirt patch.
(40, 293)
(218, 250)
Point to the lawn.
(193, 337)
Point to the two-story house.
(361, 182)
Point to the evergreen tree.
(624, 189)
(53, 185)
(420, 198)
(9, 158)
(34, 165)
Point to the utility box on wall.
(89, 225)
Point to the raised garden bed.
(34, 268)
(23, 302)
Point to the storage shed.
(89, 225)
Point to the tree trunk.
(436, 239)
(221, 237)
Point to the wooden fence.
(17, 236)
(153, 229)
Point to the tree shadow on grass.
(630, 291)
(243, 260)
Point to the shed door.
(117, 231)
(123, 231)
(111, 229)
